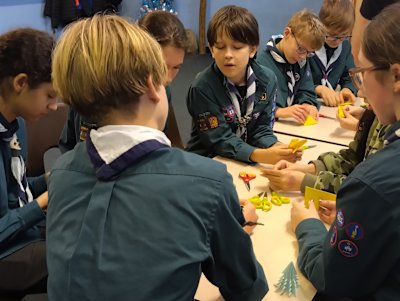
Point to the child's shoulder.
(263, 73)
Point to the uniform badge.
(333, 239)
(340, 218)
(256, 115)
(355, 231)
(263, 96)
(229, 114)
(213, 121)
(296, 77)
(202, 122)
(348, 248)
(85, 129)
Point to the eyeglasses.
(301, 50)
(337, 38)
(357, 74)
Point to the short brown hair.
(104, 63)
(308, 28)
(381, 38)
(237, 22)
(337, 15)
(166, 28)
(25, 50)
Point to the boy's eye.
(238, 47)
(219, 46)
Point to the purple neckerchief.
(107, 172)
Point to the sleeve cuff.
(309, 180)
(31, 214)
(245, 152)
(319, 166)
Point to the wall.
(272, 15)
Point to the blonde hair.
(308, 28)
(104, 63)
(337, 15)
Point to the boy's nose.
(53, 106)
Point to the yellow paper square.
(310, 121)
(317, 195)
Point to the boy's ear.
(19, 82)
(152, 90)
(253, 51)
(287, 32)
(396, 76)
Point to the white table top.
(274, 243)
(327, 130)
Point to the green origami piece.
(289, 282)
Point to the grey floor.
(192, 65)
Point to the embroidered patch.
(263, 96)
(256, 115)
(85, 128)
(213, 122)
(340, 218)
(355, 231)
(296, 77)
(348, 248)
(308, 73)
(333, 239)
(202, 122)
(229, 114)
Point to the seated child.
(359, 256)
(26, 93)
(232, 101)
(287, 56)
(169, 31)
(129, 217)
(330, 65)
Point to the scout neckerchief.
(278, 56)
(114, 148)
(392, 134)
(18, 170)
(250, 98)
(326, 66)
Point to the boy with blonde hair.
(287, 56)
(330, 65)
(232, 101)
(108, 233)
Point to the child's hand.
(298, 112)
(305, 168)
(327, 211)
(250, 215)
(311, 110)
(285, 180)
(346, 95)
(329, 96)
(352, 117)
(279, 152)
(300, 213)
(43, 200)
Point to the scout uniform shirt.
(131, 218)
(360, 255)
(330, 67)
(215, 119)
(302, 86)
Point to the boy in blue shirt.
(286, 55)
(129, 217)
(330, 65)
(232, 101)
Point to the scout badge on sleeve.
(247, 177)
(289, 281)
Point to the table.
(274, 243)
(327, 130)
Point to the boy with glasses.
(330, 65)
(287, 55)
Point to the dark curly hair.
(26, 50)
